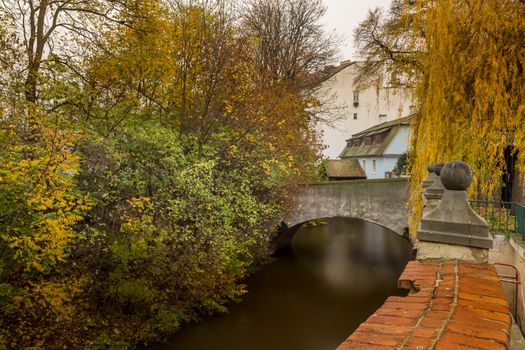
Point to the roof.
(387, 130)
(384, 126)
(453, 305)
(374, 149)
(347, 168)
(330, 71)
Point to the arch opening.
(287, 233)
(343, 252)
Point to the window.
(378, 138)
(356, 143)
(368, 141)
(373, 166)
(355, 116)
(356, 96)
(364, 165)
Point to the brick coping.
(452, 305)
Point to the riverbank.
(311, 295)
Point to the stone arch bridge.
(382, 202)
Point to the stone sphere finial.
(456, 176)
(435, 168)
(438, 168)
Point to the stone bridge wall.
(382, 202)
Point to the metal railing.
(516, 280)
(505, 217)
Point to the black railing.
(505, 217)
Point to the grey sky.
(345, 15)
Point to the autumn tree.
(290, 41)
(201, 75)
(191, 183)
(465, 61)
(389, 46)
(39, 207)
(47, 27)
(9, 56)
(143, 175)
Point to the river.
(312, 296)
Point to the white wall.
(399, 143)
(340, 87)
(383, 165)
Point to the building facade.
(356, 109)
(378, 148)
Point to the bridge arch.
(382, 202)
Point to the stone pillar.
(434, 192)
(453, 230)
(431, 178)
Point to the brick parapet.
(452, 305)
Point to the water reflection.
(313, 296)
(351, 255)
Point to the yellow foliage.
(36, 178)
(39, 205)
(464, 61)
(471, 88)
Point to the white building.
(358, 109)
(378, 148)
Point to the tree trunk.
(31, 82)
(38, 36)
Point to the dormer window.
(368, 141)
(356, 143)
(378, 138)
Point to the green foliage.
(401, 167)
(321, 173)
(140, 184)
(180, 230)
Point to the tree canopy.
(146, 158)
(464, 60)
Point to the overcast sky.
(345, 15)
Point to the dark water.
(313, 296)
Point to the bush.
(171, 235)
